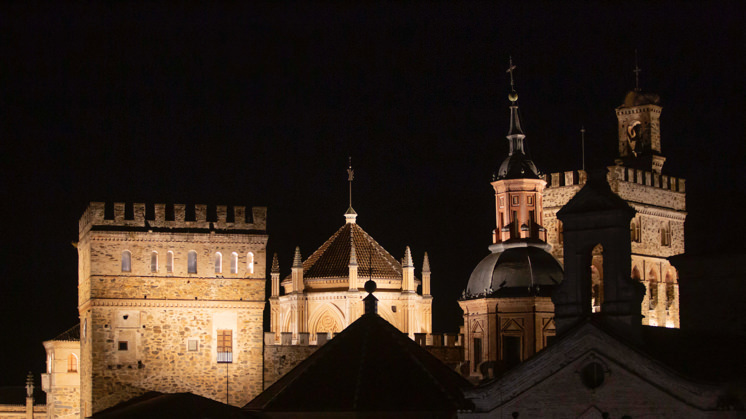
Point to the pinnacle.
(426, 264)
(297, 262)
(275, 265)
(408, 258)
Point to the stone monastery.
(171, 297)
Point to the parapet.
(620, 174)
(173, 216)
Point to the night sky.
(263, 105)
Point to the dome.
(517, 166)
(512, 269)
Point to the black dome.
(512, 269)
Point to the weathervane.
(582, 143)
(637, 71)
(350, 177)
(513, 96)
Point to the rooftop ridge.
(159, 215)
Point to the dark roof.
(369, 367)
(71, 334)
(17, 395)
(332, 259)
(158, 405)
(515, 271)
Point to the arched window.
(634, 230)
(72, 363)
(665, 233)
(234, 263)
(218, 262)
(250, 263)
(154, 262)
(170, 261)
(126, 261)
(192, 262)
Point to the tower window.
(477, 344)
(192, 262)
(218, 262)
(225, 346)
(511, 350)
(154, 262)
(560, 232)
(250, 263)
(122, 345)
(126, 261)
(170, 261)
(666, 233)
(72, 363)
(234, 263)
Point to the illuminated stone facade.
(657, 231)
(61, 381)
(324, 294)
(170, 300)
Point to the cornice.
(117, 302)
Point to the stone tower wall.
(157, 329)
(660, 202)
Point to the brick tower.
(171, 300)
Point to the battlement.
(619, 174)
(303, 339)
(173, 216)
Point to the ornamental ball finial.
(513, 97)
(370, 286)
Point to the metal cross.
(510, 69)
(350, 177)
(637, 71)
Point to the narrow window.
(218, 262)
(511, 350)
(170, 262)
(72, 363)
(665, 234)
(250, 263)
(225, 346)
(192, 262)
(126, 261)
(477, 344)
(234, 263)
(154, 262)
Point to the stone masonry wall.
(279, 359)
(64, 403)
(156, 327)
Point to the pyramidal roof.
(332, 259)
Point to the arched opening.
(234, 263)
(670, 294)
(653, 285)
(170, 261)
(154, 261)
(72, 363)
(597, 278)
(250, 263)
(636, 274)
(218, 262)
(192, 262)
(126, 261)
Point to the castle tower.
(170, 300)
(507, 309)
(657, 229)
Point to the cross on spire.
(350, 176)
(510, 69)
(637, 72)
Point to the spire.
(297, 262)
(637, 72)
(30, 385)
(275, 265)
(517, 165)
(353, 254)
(426, 264)
(350, 214)
(408, 258)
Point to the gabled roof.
(158, 405)
(332, 259)
(369, 367)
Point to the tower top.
(297, 262)
(275, 264)
(513, 95)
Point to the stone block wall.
(154, 325)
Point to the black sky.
(262, 105)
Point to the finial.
(408, 258)
(513, 96)
(29, 384)
(275, 264)
(297, 262)
(426, 264)
(353, 253)
(370, 302)
(637, 72)
(350, 214)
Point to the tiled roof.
(370, 367)
(332, 259)
(176, 405)
(71, 334)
